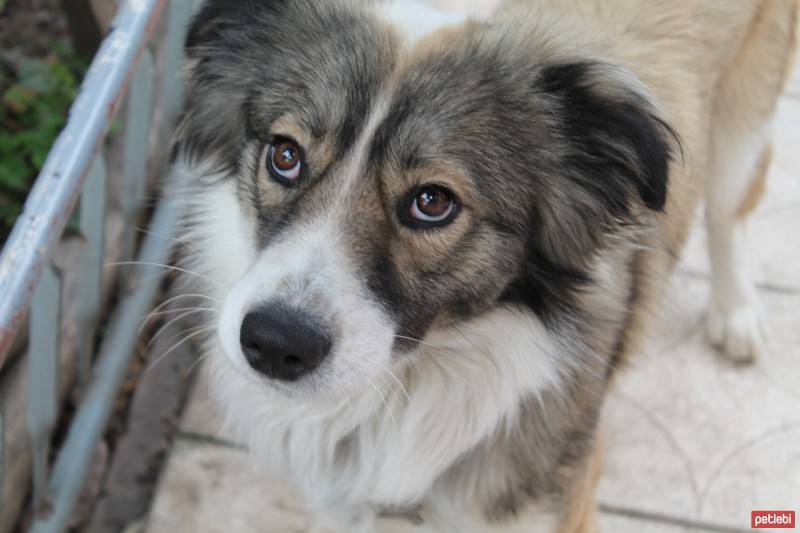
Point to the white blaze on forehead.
(356, 161)
(417, 19)
(308, 266)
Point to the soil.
(29, 27)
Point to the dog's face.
(359, 190)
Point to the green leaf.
(32, 112)
(18, 99)
(14, 174)
(9, 212)
(37, 76)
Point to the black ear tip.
(655, 198)
(655, 158)
(615, 125)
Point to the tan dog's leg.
(581, 513)
(734, 322)
(744, 104)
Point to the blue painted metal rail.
(75, 172)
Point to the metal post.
(134, 163)
(178, 17)
(43, 378)
(2, 451)
(93, 223)
(74, 171)
(40, 226)
(73, 461)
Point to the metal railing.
(31, 287)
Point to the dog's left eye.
(429, 206)
(285, 161)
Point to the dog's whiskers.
(428, 344)
(176, 240)
(185, 331)
(199, 360)
(382, 396)
(166, 267)
(166, 326)
(164, 304)
(346, 396)
(395, 378)
(178, 310)
(179, 344)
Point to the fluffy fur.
(469, 361)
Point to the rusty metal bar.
(55, 193)
(28, 279)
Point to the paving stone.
(214, 489)
(621, 524)
(691, 434)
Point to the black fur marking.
(545, 287)
(618, 142)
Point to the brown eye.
(285, 160)
(432, 205)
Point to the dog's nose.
(283, 343)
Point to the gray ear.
(218, 80)
(218, 16)
(621, 148)
(616, 156)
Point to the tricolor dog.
(431, 239)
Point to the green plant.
(35, 97)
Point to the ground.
(694, 443)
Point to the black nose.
(283, 343)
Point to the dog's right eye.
(428, 206)
(285, 161)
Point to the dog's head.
(358, 189)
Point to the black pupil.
(433, 202)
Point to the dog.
(428, 241)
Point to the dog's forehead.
(461, 102)
(415, 20)
(324, 77)
(331, 76)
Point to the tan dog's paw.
(738, 333)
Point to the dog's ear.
(218, 16)
(616, 140)
(204, 25)
(220, 71)
(613, 152)
(212, 119)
